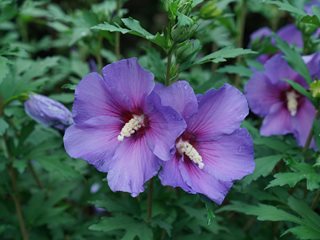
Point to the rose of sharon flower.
(48, 112)
(121, 127)
(284, 109)
(213, 151)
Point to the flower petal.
(165, 126)
(220, 112)
(229, 157)
(261, 94)
(278, 70)
(130, 79)
(170, 174)
(180, 96)
(93, 99)
(303, 121)
(277, 122)
(202, 182)
(131, 166)
(291, 34)
(313, 61)
(94, 140)
(259, 34)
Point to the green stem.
(149, 200)
(14, 195)
(117, 36)
(35, 175)
(17, 204)
(168, 77)
(98, 54)
(22, 96)
(241, 20)
(310, 135)
(315, 200)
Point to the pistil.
(184, 147)
(134, 124)
(292, 102)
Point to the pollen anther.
(131, 127)
(292, 102)
(184, 147)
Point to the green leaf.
(316, 12)
(20, 165)
(137, 29)
(4, 69)
(57, 168)
(264, 167)
(293, 58)
(223, 54)
(135, 26)
(286, 6)
(314, 20)
(131, 227)
(110, 28)
(300, 89)
(304, 233)
(263, 212)
(310, 218)
(236, 69)
(289, 178)
(307, 172)
(3, 126)
(39, 67)
(273, 143)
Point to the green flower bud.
(184, 29)
(210, 10)
(315, 88)
(188, 51)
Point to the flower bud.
(48, 112)
(188, 51)
(210, 10)
(315, 88)
(184, 29)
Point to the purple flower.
(284, 110)
(121, 127)
(213, 151)
(48, 112)
(308, 7)
(288, 33)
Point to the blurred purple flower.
(48, 112)
(121, 127)
(289, 33)
(284, 109)
(213, 151)
(310, 4)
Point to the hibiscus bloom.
(213, 151)
(284, 109)
(48, 112)
(121, 127)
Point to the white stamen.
(131, 127)
(184, 147)
(292, 102)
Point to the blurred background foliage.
(48, 46)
